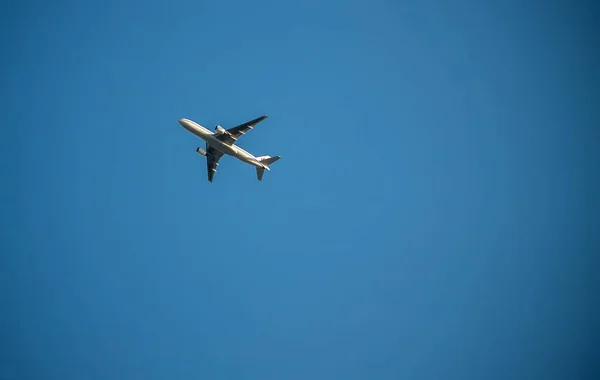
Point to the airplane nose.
(185, 123)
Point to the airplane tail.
(266, 160)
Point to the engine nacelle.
(201, 151)
(220, 130)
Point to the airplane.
(222, 142)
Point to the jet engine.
(220, 130)
(201, 151)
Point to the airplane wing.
(236, 132)
(212, 161)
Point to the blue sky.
(434, 213)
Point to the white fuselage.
(213, 141)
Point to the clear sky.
(434, 214)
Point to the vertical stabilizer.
(268, 160)
(265, 160)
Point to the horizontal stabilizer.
(259, 173)
(265, 160)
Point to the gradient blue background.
(434, 214)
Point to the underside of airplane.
(223, 141)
